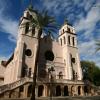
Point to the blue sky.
(84, 15)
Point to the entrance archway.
(29, 92)
(40, 90)
(86, 90)
(58, 90)
(79, 90)
(66, 91)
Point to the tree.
(87, 69)
(43, 23)
(96, 76)
(91, 72)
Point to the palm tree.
(43, 23)
(97, 45)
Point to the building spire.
(30, 5)
(67, 22)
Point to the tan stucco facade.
(62, 55)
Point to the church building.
(59, 71)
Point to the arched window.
(63, 31)
(86, 90)
(69, 40)
(40, 90)
(61, 42)
(79, 90)
(33, 31)
(58, 90)
(27, 27)
(64, 40)
(66, 91)
(29, 92)
(73, 39)
(68, 29)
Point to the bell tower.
(68, 41)
(25, 51)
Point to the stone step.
(61, 98)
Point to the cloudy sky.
(84, 15)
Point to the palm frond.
(97, 45)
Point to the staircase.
(14, 85)
(61, 98)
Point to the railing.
(60, 81)
(14, 85)
(41, 80)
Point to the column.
(36, 91)
(20, 58)
(25, 90)
(69, 90)
(82, 90)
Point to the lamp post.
(50, 72)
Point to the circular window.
(49, 55)
(28, 52)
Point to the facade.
(2, 69)
(59, 71)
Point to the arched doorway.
(85, 90)
(58, 90)
(40, 90)
(29, 92)
(79, 90)
(66, 91)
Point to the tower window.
(69, 40)
(68, 29)
(61, 41)
(73, 39)
(64, 40)
(63, 30)
(33, 31)
(28, 52)
(27, 27)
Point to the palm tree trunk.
(36, 65)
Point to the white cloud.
(89, 22)
(7, 24)
(87, 51)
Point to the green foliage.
(97, 45)
(91, 72)
(45, 22)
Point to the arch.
(66, 91)
(79, 90)
(61, 41)
(73, 39)
(58, 90)
(40, 90)
(86, 89)
(69, 40)
(64, 40)
(27, 27)
(29, 92)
